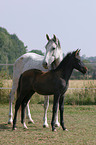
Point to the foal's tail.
(18, 92)
(18, 89)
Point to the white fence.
(68, 88)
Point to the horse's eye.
(53, 48)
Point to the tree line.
(11, 47)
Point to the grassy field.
(72, 83)
(79, 120)
(72, 96)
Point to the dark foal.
(54, 82)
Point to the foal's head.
(77, 63)
(53, 52)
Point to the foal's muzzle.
(85, 69)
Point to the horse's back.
(28, 61)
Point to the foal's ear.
(77, 52)
(47, 37)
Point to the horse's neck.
(55, 64)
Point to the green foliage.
(4, 93)
(37, 52)
(10, 47)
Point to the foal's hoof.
(14, 128)
(66, 129)
(54, 130)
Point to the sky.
(72, 21)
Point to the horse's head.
(78, 63)
(53, 54)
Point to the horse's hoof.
(10, 121)
(25, 128)
(45, 125)
(57, 124)
(30, 121)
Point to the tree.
(10, 47)
(37, 52)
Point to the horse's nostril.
(45, 64)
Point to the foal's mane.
(65, 60)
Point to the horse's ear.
(47, 37)
(59, 43)
(54, 37)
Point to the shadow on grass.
(4, 126)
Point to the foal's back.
(41, 82)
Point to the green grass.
(79, 120)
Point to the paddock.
(80, 121)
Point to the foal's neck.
(66, 73)
(65, 70)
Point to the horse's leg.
(55, 106)
(28, 114)
(24, 103)
(61, 107)
(57, 124)
(46, 104)
(11, 98)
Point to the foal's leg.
(17, 105)
(61, 107)
(46, 105)
(55, 106)
(28, 114)
(24, 103)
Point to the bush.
(81, 96)
(4, 94)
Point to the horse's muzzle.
(45, 65)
